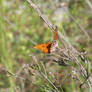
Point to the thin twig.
(81, 28)
(89, 4)
(12, 74)
(49, 81)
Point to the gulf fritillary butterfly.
(50, 46)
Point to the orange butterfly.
(50, 46)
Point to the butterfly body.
(54, 45)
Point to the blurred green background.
(21, 28)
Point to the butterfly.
(50, 46)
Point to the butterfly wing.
(45, 48)
(56, 34)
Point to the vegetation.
(25, 69)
